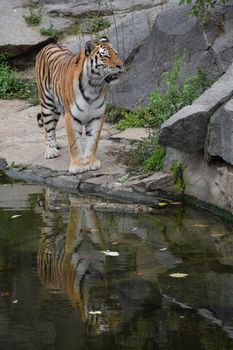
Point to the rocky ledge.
(200, 138)
(22, 150)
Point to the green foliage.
(201, 8)
(162, 105)
(51, 32)
(146, 156)
(113, 113)
(97, 23)
(34, 18)
(72, 29)
(177, 171)
(10, 85)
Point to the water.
(59, 290)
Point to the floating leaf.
(176, 203)
(162, 204)
(178, 275)
(140, 274)
(110, 253)
(162, 249)
(134, 229)
(200, 225)
(96, 312)
(14, 301)
(217, 234)
(115, 243)
(15, 216)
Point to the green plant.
(177, 170)
(162, 105)
(113, 113)
(146, 156)
(201, 8)
(97, 23)
(72, 29)
(10, 84)
(50, 32)
(156, 161)
(34, 18)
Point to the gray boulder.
(186, 130)
(17, 37)
(211, 184)
(174, 30)
(130, 26)
(220, 133)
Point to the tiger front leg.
(74, 135)
(93, 130)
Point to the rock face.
(210, 183)
(220, 138)
(174, 30)
(17, 37)
(127, 19)
(199, 132)
(186, 130)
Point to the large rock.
(130, 26)
(220, 133)
(186, 130)
(174, 30)
(210, 183)
(17, 37)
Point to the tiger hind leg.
(50, 119)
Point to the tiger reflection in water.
(70, 258)
(73, 262)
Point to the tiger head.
(103, 61)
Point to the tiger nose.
(119, 67)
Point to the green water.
(59, 290)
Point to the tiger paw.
(77, 168)
(51, 152)
(95, 164)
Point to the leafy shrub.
(10, 85)
(113, 113)
(51, 32)
(162, 105)
(149, 155)
(146, 156)
(201, 8)
(97, 23)
(34, 18)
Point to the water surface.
(59, 290)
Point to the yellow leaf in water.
(162, 204)
(110, 253)
(15, 216)
(178, 275)
(140, 274)
(217, 234)
(95, 312)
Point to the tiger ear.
(89, 47)
(104, 39)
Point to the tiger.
(75, 86)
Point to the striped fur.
(75, 86)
